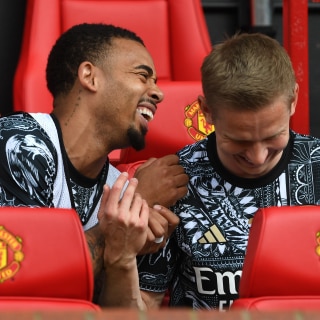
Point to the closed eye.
(146, 72)
(145, 75)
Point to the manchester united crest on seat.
(11, 254)
(196, 123)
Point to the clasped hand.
(131, 224)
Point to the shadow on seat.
(44, 260)
(282, 263)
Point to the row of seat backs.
(282, 264)
(44, 260)
(177, 37)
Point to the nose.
(257, 153)
(156, 94)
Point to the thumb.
(104, 199)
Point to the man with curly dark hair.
(104, 87)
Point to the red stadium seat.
(44, 261)
(282, 263)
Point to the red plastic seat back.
(44, 259)
(138, 16)
(282, 264)
(277, 303)
(174, 31)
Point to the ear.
(205, 109)
(87, 75)
(295, 100)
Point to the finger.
(151, 246)
(145, 212)
(170, 159)
(104, 199)
(181, 179)
(157, 223)
(158, 240)
(178, 193)
(136, 206)
(172, 219)
(150, 236)
(167, 214)
(119, 184)
(175, 171)
(128, 196)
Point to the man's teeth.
(146, 113)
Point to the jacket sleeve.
(27, 163)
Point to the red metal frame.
(295, 40)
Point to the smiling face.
(129, 95)
(250, 142)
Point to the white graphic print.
(21, 153)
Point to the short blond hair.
(247, 71)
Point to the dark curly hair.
(83, 42)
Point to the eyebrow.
(148, 69)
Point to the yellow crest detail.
(196, 123)
(10, 254)
(318, 243)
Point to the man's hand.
(162, 222)
(123, 222)
(162, 181)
